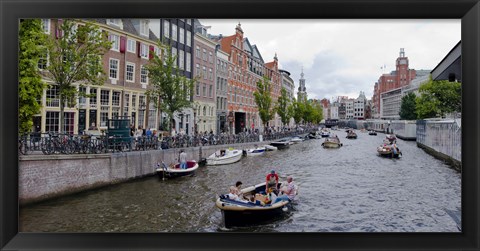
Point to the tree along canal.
(350, 189)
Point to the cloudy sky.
(344, 57)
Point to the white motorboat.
(256, 151)
(296, 140)
(270, 148)
(224, 156)
(175, 170)
(325, 134)
(282, 143)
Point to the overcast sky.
(343, 57)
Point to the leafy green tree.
(296, 109)
(317, 114)
(408, 107)
(31, 49)
(75, 54)
(171, 91)
(438, 98)
(263, 100)
(282, 107)
(308, 112)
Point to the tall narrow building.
(302, 92)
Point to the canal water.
(350, 189)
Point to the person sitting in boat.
(271, 181)
(233, 195)
(238, 189)
(222, 152)
(288, 192)
(183, 159)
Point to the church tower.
(302, 92)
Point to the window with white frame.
(197, 89)
(204, 55)
(189, 21)
(144, 51)
(130, 72)
(43, 61)
(52, 121)
(104, 116)
(197, 52)
(204, 90)
(116, 98)
(93, 96)
(210, 57)
(174, 32)
(46, 25)
(166, 28)
(53, 96)
(182, 36)
(105, 97)
(210, 74)
(181, 56)
(157, 51)
(114, 22)
(198, 72)
(115, 39)
(144, 27)
(189, 38)
(174, 54)
(81, 95)
(189, 62)
(131, 45)
(204, 72)
(113, 68)
(143, 75)
(210, 91)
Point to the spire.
(239, 27)
(275, 58)
(301, 74)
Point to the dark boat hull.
(246, 218)
(280, 145)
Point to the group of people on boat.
(272, 194)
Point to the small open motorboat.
(391, 138)
(296, 140)
(389, 151)
(270, 148)
(224, 156)
(255, 151)
(372, 132)
(314, 135)
(351, 135)
(281, 143)
(244, 212)
(325, 134)
(174, 170)
(332, 142)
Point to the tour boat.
(245, 212)
(372, 132)
(351, 135)
(224, 156)
(281, 143)
(332, 142)
(174, 170)
(389, 151)
(256, 151)
(270, 148)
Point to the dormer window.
(144, 27)
(115, 22)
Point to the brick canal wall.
(44, 177)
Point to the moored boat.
(372, 132)
(296, 140)
(270, 148)
(325, 134)
(281, 144)
(332, 142)
(245, 212)
(224, 156)
(175, 171)
(255, 151)
(314, 135)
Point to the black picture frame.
(466, 10)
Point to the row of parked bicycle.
(54, 143)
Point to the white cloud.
(343, 57)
